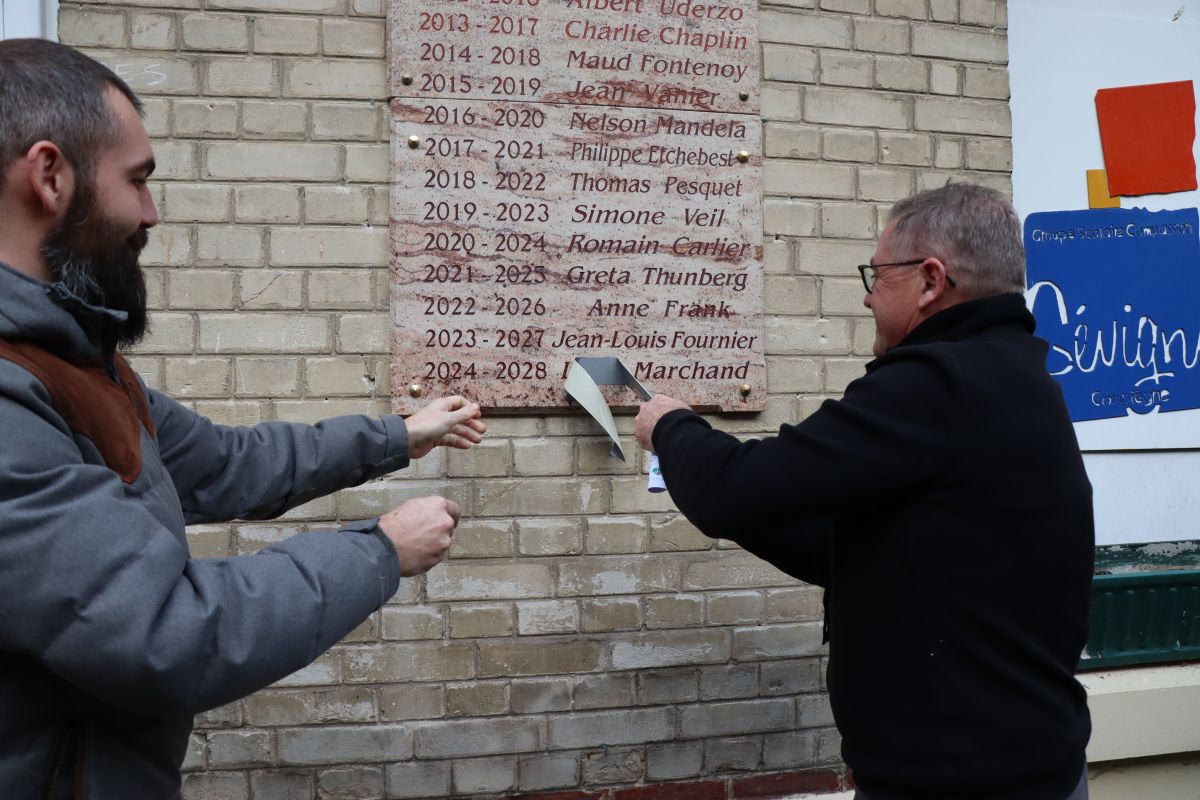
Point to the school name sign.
(1114, 292)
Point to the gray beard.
(76, 275)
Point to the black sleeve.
(804, 550)
(895, 429)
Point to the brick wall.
(582, 635)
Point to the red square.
(1147, 134)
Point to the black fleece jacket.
(944, 504)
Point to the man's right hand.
(422, 531)
(648, 416)
(448, 422)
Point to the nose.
(867, 299)
(149, 212)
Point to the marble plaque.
(534, 220)
(650, 53)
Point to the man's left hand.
(448, 422)
(651, 412)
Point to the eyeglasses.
(870, 272)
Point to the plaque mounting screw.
(414, 142)
(743, 156)
(414, 390)
(745, 389)
(406, 80)
(743, 96)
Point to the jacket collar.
(101, 325)
(968, 319)
(50, 316)
(972, 317)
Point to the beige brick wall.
(582, 633)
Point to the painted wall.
(28, 18)
(1061, 52)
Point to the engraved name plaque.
(570, 178)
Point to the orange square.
(1147, 134)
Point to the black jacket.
(944, 504)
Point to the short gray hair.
(52, 92)
(974, 228)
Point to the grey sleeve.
(224, 473)
(102, 594)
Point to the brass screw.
(414, 390)
(414, 142)
(743, 96)
(745, 389)
(406, 80)
(743, 156)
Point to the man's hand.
(651, 412)
(422, 531)
(449, 422)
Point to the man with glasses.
(943, 504)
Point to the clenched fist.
(422, 531)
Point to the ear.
(933, 282)
(51, 177)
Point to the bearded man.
(111, 636)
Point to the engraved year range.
(513, 338)
(500, 370)
(442, 56)
(503, 274)
(503, 212)
(454, 306)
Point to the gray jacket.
(110, 633)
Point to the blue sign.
(1116, 291)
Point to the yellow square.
(1098, 196)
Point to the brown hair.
(52, 92)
